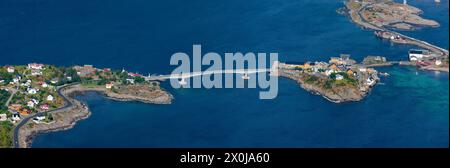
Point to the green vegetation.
(139, 79)
(4, 95)
(6, 133)
(347, 80)
(310, 79)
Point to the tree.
(138, 79)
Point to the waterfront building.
(370, 81)
(418, 54)
(10, 69)
(35, 66)
(38, 119)
(85, 71)
(109, 85)
(438, 62)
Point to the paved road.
(413, 41)
(14, 91)
(25, 120)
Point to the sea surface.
(408, 109)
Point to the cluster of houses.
(337, 66)
(89, 71)
(424, 57)
(31, 90)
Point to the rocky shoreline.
(66, 118)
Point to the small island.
(39, 98)
(340, 80)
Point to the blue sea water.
(410, 108)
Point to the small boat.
(384, 73)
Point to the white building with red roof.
(35, 66)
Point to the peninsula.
(386, 16)
(39, 98)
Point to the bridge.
(273, 71)
(183, 76)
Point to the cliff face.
(336, 94)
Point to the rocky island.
(376, 14)
(340, 80)
(39, 98)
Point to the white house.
(35, 66)
(130, 81)
(15, 80)
(328, 72)
(362, 69)
(44, 85)
(35, 101)
(15, 117)
(370, 81)
(50, 98)
(339, 77)
(3, 117)
(109, 85)
(10, 69)
(418, 54)
(438, 62)
(32, 91)
(38, 119)
(30, 104)
(54, 81)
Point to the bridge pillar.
(183, 81)
(245, 76)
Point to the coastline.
(355, 15)
(67, 117)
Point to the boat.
(384, 73)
